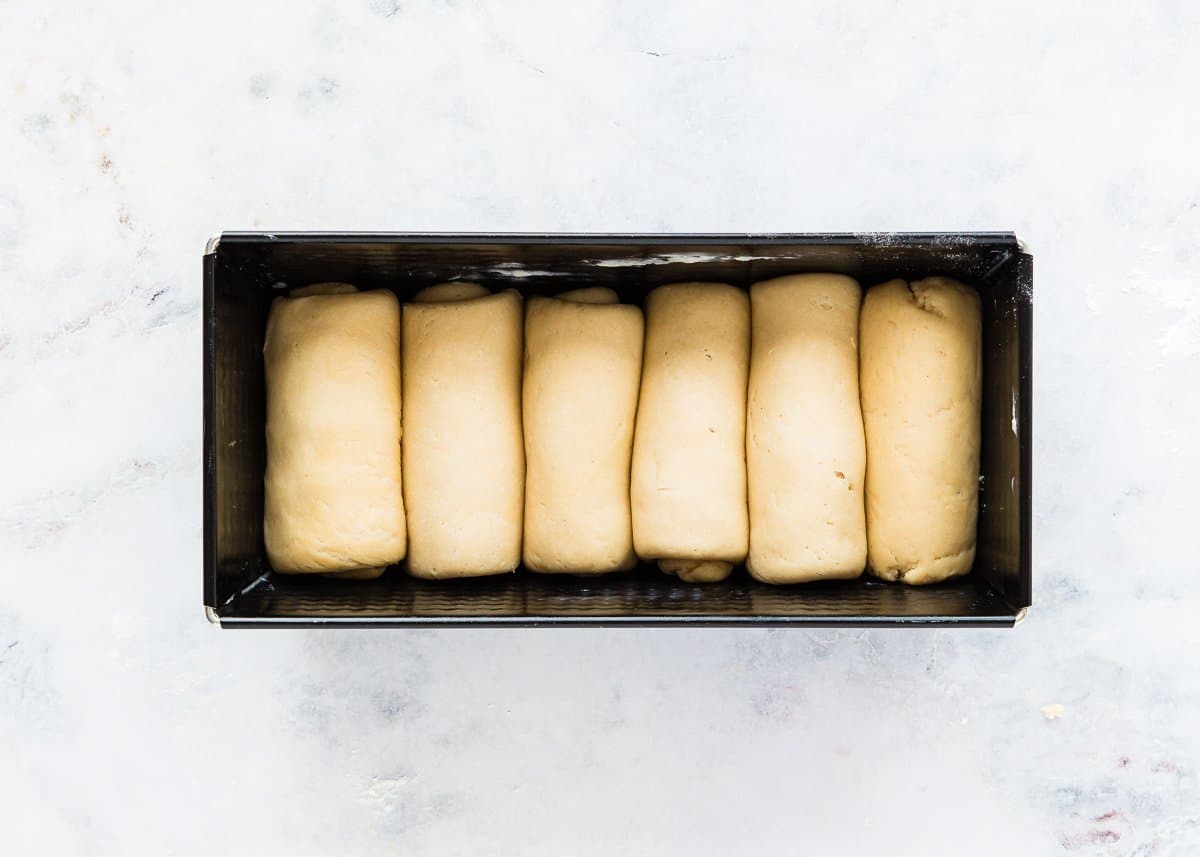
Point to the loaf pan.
(243, 271)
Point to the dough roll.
(805, 453)
(583, 363)
(590, 295)
(333, 499)
(921, 382)
(357, 574)
(464, 461)
(688, 484)
(455, 291)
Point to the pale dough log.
(921, 383)
(590, 295)
(582, 367)
(453, 291)
(333, 499)
(322, 289)
(696, 570)
(688, 484)
(464, 460)
(357, 574)
(805, 451)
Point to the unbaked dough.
(582, 366)
(696, 570)
(452, 291)
(590, 295)
(688, 484)
(333, 499)
(322, 289)
(357, 574)
(921, 383)
(805, 452)
(464, 460)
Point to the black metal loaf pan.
(244, 271)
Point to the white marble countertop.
(132, 131)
